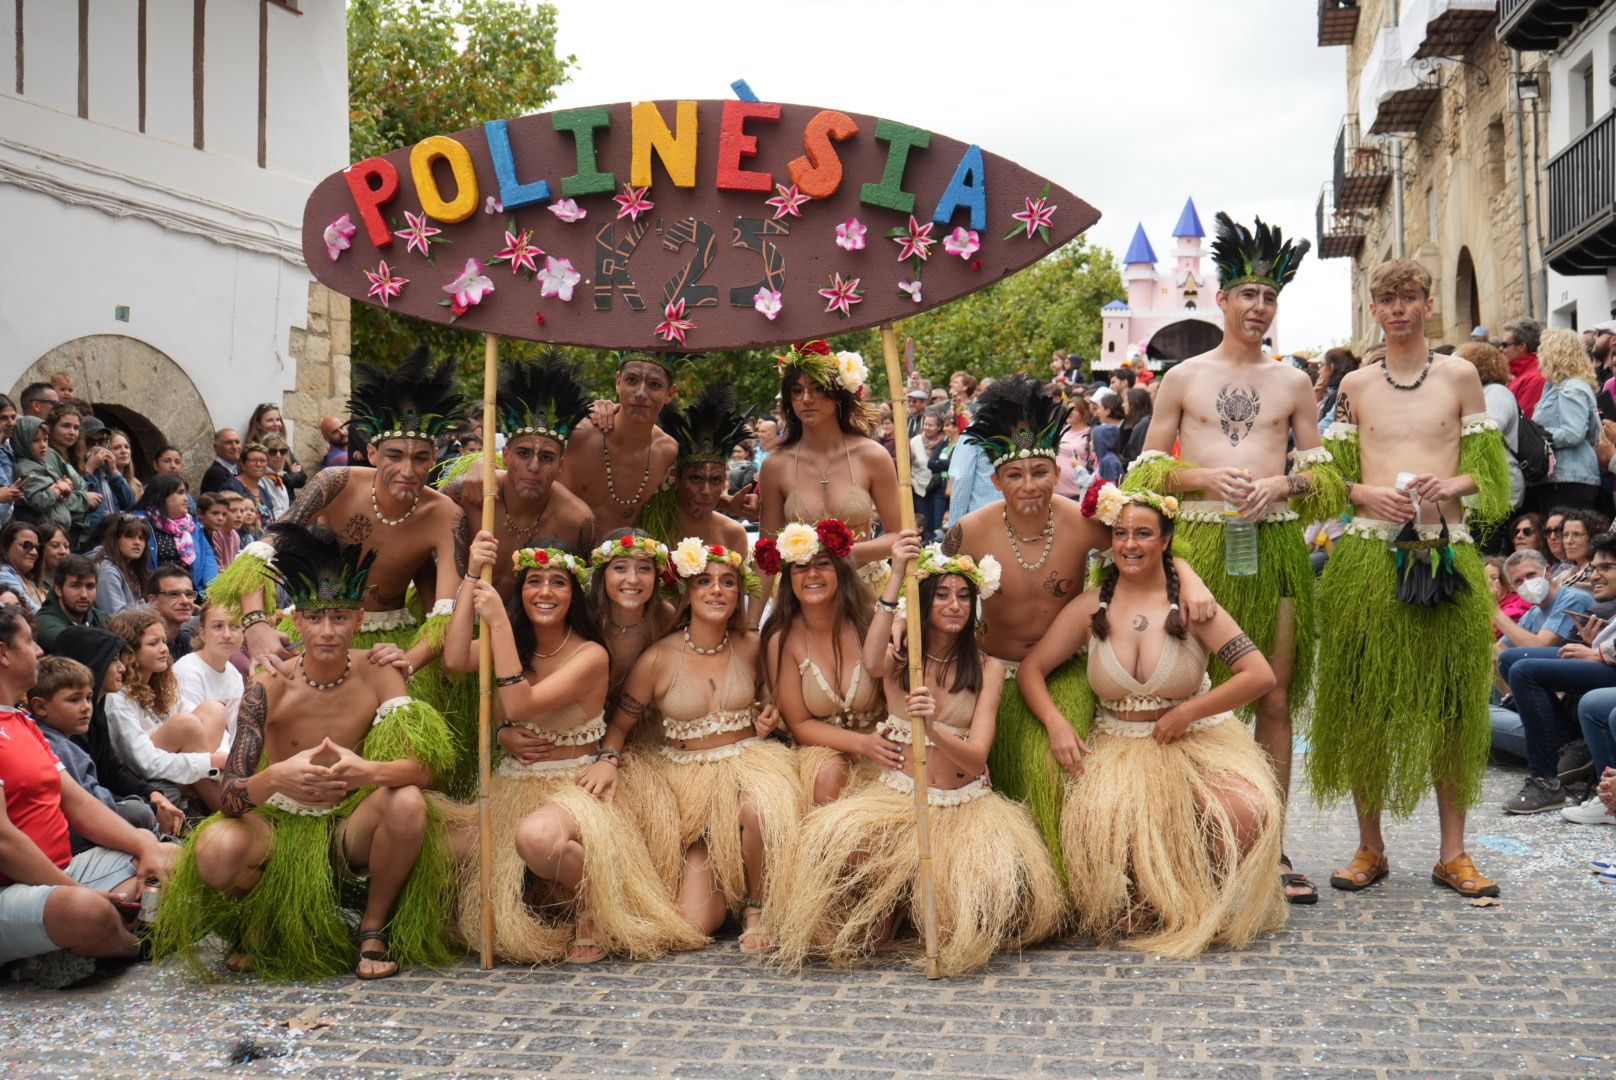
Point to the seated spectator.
(1536, 675)
(72, 601)
(1526, 531)
(219, 528)
(208, 674)
(254, 473)
(122, 567)
(54, 546)
(101, 475)
(62, 703)
(1576, 536)
(1553, 530)
(1549, 618)
(52, 491)
(276, 484)
(169, 593)
(222, 474)
(19, 562)
(10, 597)
(1508, 600)
(269, 427)
(150, 733)
(335, 434)
(244, 515)
(58, 910)
(1596, 715)
(176, 537)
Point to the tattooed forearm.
(588, 535)
(245, 751)
(632, 707)
(1236, 650)
(321, 492)
(462, 546)
(953, 540)
(1298, 484)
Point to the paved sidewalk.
(1405, 980)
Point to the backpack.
(1534, 448)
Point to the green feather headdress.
(1263, 257)
(1015, 419)
(417, 400)
(542, 397)
(317, 569)
(711, 428)
(671, 362)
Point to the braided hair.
(1100, 623)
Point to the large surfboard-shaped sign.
(681, 225)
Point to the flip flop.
(1292, 880)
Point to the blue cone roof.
(1189, 222)
(1139, 251)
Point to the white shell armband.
(444, 606)
(1319, 455)
(261, 550)
(1476, 423)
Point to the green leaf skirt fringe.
(1020, 763)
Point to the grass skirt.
(1403, 699)
(708, 796)
(621, 894)
(1020, 762)
(645, 797)
(1146, 838)
(995, 886)
(812, 759)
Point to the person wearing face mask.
(1549, 621)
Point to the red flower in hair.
(718, 549)
(626, 543)
(541, 556)
(818, 346)
(766, 554)
(836, 536)
(1091, 498)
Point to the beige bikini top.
(1180, 674)
(570, 725)
(689, 713)
(954, 712)
(855, 508)
(859, 709)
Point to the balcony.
(1340, 230)
(1396, 91)
(1582, 202)
(1542, 25)
(1338, 22)
(1361, 172)
(1447, 27)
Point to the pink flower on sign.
(383, 285)
(767, 301)
(963, 242)
(1036, 217)
(674, 325)
(418, 235)
(912, 288)
(339, 236)
(492, 205)
(520, 251)
(786, 201)
(567, 210)
(850, 235)
(470, 287)
(842, 295)
(632, 203)
(558, 278)
(916, 242)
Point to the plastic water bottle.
(1239, 544)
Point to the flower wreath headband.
(691, 557)
(631, 547)
(549, 558)
(800, 544)
(844, 370)
(984, 574)
(1112, 500)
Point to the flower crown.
(691, 557)
(1110, 503)
(844, 370)
(799, 544)
(544, 558)
(984, 574)
(631, 547)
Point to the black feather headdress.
(542, 397)
(317, 569)
(416, 400)
(710, 428)
(1015, 419)
(1264, 257)
(671, 362)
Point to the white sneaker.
(1591, 812)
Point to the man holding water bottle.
(1405, 651)
(1233, 413)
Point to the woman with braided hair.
(1171, 827)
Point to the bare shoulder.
(568, 504)
(384, 681)
(440, 507)
(869, 452)
(1456, 370)
(663, 443)
(734, 534)
(772, 466)
(586, 436)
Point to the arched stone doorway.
(1466, 299)
(138, 389)
(1184, 339)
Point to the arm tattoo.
(1343, 409)
(953, 540)
(245, 751)
(632, 706)
(1237, 649)
(1297, 485)
(588, 535)
(462, 546)
(321, 492)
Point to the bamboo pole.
(917, 664)
(485, 669)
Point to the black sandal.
(1297, 881)
(382, 955)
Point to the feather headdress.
(1264, 257)
(671, 362)
(317, 569)
(542, 397)
(416, 400)
(1016, 419)
(710, 428)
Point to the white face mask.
(1534, 591)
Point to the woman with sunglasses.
(1526, 533)
(19, 555)
(276, 482)
(1553, 530)
(267, 421)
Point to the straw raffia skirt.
(995, 886)
(1148, 843)
(811, 760)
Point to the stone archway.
(1184, 339)
(1467, 298)
(137, 388)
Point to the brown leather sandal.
(1460, 874)
(1366, 868)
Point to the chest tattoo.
(1238, 406)
(1057, 586)
(359, 527)
(1141, 623)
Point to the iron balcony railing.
(1582, 198)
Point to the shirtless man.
(1402, 701)
(707, 433)
(293, 830)
(540, 406)
(1042, 543)
(1233, 411)
(619, 458)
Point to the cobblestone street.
(1401, 981)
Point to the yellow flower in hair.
(798, 543)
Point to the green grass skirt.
(1020, 763)
(1402, 701)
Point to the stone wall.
(321, 350)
